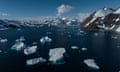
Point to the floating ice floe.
(35, 61)
(18, 29)
(0, 51)
(74, 47)
(95, 34)
(18, 46)
(34, 43)
(20, 39)
(3, 40)
(30, 50)
(91, 63)
(115, 37)
(69, 35)
(84, 49)
(45, 39)
(56, 56)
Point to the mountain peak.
(103, 12)
(117, 11)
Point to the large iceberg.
(45, 39)
(35, 61)
(56, 55)
(91, 63)
(30, 50)
(18, 46)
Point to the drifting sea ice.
(84, 49)
(35, 61)
(3, 40)
(56, 56)
(74, 47)
(18, 46)
(91, 63)
(45, 39)
(30, 50)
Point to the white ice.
(30, 50)
(117, 11)
(56, 55)
(74, 47)
(45, 39)
(3, 40)
(35, 61)
(118, 29)
(84, 49)
(91, 63)
(18, 46)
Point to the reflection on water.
(103, 47)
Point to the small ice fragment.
(81, 31)
(69, 35)
(18, 46)
(114, 37)
(91, 63)
(35, 61)
(0, 51)
(34, 43)
(18, 29)
(42, 40)
(20, 39)
(84, 49)
(3, 40)
(56, 55)
(96, 34)
(74, 47)
(30, 50)
(48, 39)
(45, 39)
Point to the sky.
(35, 8)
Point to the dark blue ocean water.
(103, 47)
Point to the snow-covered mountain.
(4, 23)
(54, 21)
(105, 19)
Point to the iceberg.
(3, 40)
(74, 47)
(18, 46)
(0, 51)
(45, 39)
(35, 61)
(91, 63)
(56, 55)
(30, 50)
(84, 49)
(34, 43)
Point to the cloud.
(82, 16)
(63, 9)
